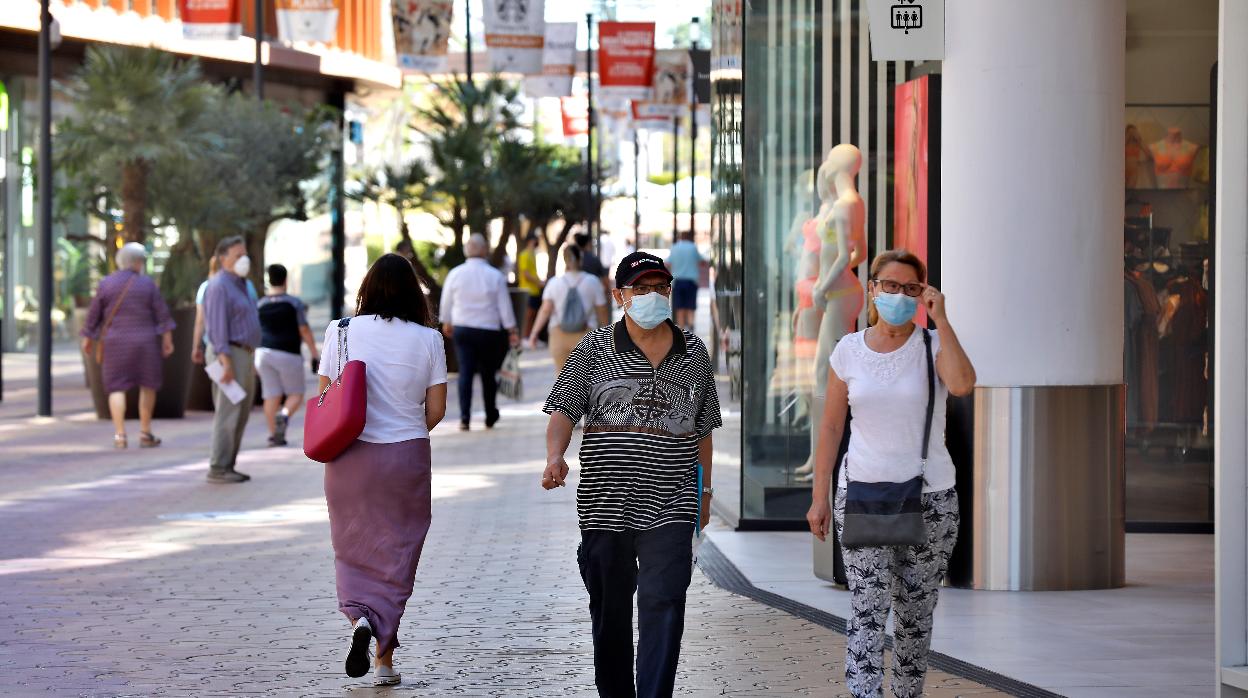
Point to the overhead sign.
(671, 87)
(700, 59)
(422, 29)
(907, 30)
(575, 112)
(210, 19)
(558, 62)
(308, 20)
(626, 58)
(514, 34)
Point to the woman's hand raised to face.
(934, 303)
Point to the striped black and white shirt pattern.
(639, 453)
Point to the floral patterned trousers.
(905, 580)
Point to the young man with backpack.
(574, 303)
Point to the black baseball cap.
(636, 265)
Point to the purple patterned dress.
(132, 345)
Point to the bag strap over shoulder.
(931, 397)
(343, 356)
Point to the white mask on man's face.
(242, 266)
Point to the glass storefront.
(791, 79)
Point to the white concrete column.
(1032, 188)
(1230, 312)
(1031, 254)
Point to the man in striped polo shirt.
(646, 391)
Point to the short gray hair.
(223, 247)
(477, 246)
(130, 254)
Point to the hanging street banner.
(422, 29)
(648, 114)
(308, 20)
(210, 19)
(514, 34)
(671, 87)
(700, 59)
(575, 112)
(558, 62)
(626, 58)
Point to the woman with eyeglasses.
(881, 373)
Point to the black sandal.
(146, 440)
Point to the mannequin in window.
(804, 243)
(841, 226)
(1140, 168)
(1173, 159)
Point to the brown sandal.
(146, 440)
(119, 441)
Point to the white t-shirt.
(888, 402)
(588, 285)
(403, 359)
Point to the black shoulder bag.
(891, 513)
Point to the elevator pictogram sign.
(907, 30)
(907, 17)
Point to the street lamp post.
(45, 210)
(675, 178)
(468, 37)
(590, 181)
(695, 37)
(257, 69)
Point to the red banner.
(910, 165)
(210, 19)
(575, 111)
(626, 58)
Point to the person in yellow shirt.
(528, 280)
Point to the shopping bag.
(510, 382)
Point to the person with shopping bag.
(378, 488)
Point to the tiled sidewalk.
(124, 573)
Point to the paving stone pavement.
(126, 574)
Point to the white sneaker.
(358, 657)
(385, 676)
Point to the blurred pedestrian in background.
(233, 328)
(477, 315)
(528, 280)
(379, 489)
(214, 267)
(130, 330)
(685, 262)
(283, 326)
(574, 304)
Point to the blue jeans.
(656, 564)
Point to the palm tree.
(406, 188)
(134, 108)
(461, 126)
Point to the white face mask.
(242, 266)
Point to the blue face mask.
(896, 308)
(649, 310)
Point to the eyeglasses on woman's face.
(664, 289)
(914, 290)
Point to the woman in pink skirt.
(378, 490)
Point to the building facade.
(1079, 196)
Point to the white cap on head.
(130, 254)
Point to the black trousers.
(657, 565)
(479, 351)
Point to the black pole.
(636, 186)
(590, 188)
(693, 129)
(468, 37)
(46, 298)
(675, 178)
(257, 70)
(338, 221)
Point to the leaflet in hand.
(232, 390)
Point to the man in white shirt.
(477, 314)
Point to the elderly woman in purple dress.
(131, 319)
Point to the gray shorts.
(281, 373)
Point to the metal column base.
(1049, 491)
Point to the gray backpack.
(575, 316)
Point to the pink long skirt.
(379, 513)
